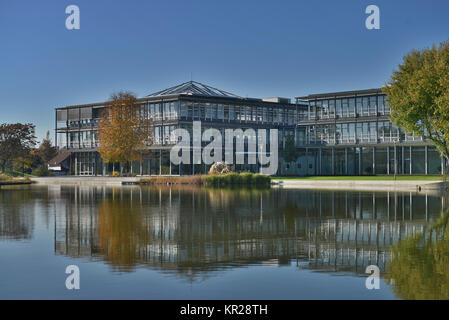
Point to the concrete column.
(395, 161)
(160, 162)
(411, 171)
(346, 161)
(426, 165)
(141, 168)
(95, 164)
(76, 164)
(374, 161)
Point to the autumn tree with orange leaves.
(124, 132)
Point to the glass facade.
(336, 134)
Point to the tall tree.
(124, 131)
(418, 95)
(16, 140)
(46, 150)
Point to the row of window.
(354, 132)
(321, 109)
(346, 107)
(340, 133)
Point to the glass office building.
(176, 107)
(350, 133)
(342, 133)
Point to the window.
(351, 131)
(338, 110)
(380, 103)
(352, 110)
(373, 131)
(345, 107)
(332, 108)
(365, 102)
(231, 113)
(312, 114)
(373, 105)
(358, 103)
(319, 110)
(220, 112)
(226, 112)
(325, 108)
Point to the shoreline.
(363, 185)
(357, 185)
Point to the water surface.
(191, 243)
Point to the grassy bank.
(231, 179)
(7, 179)
(15, 174)
(364, 178)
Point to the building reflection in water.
(17, 217)
(196, 232)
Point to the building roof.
(341, 94)
(194, 88)
(61, 157)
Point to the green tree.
(46, 150)
(418, 95)
(16, 140)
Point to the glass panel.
(381, 160)
(352, 107)
(338, 106)
(332, 108)
(418, 160)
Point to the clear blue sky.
(254, 48)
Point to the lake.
(197, 243)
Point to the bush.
(261, 180)
(41, 171)
(115, 174)
(247, 178)
(233, 179)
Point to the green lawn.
(355, 178)
(15, 174)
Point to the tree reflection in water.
(419, 268)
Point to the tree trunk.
(444, 168)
